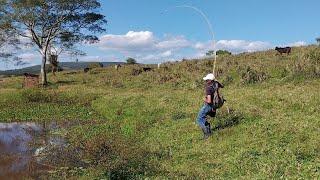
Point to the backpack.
(217, 99)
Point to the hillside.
(64, 65)
(130, 124)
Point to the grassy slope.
(144, 125)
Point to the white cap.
(209, 77)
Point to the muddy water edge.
(32, 150)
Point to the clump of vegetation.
(307, 65)
(250, 75)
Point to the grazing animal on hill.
(86, 70)
(286, 50)
(145, 69)
(117, 66)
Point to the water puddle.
(24, 147)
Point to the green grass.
(143, 125)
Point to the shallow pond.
(24, 146)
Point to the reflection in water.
(19, 145)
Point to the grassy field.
(135, 124)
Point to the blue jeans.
(204, 111)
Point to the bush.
(250, 76)
(308, 65)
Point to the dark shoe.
(206, 134)
(208, 128)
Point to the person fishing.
(212, 101)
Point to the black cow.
(145, 69)
(281, 50)
(86, 70)
(30, 75)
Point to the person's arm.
(208, 99)
(219, 84)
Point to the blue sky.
(144, 30)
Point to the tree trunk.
(43, 70)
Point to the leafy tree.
(219, 52)
(45, 22)
(223, 52)
(8, 43)
(210, 53)
(131, 61)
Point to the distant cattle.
(145, 69)
(117, 66)
(86, 70)
(286, 50)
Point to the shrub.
(250, 76)
(308, 65)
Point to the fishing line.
(203, 15)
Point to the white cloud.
(237, 46)
(166, 54)
(140, 41)
(297, 44)
(234, 46)
(129, 42)
(173, 43)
